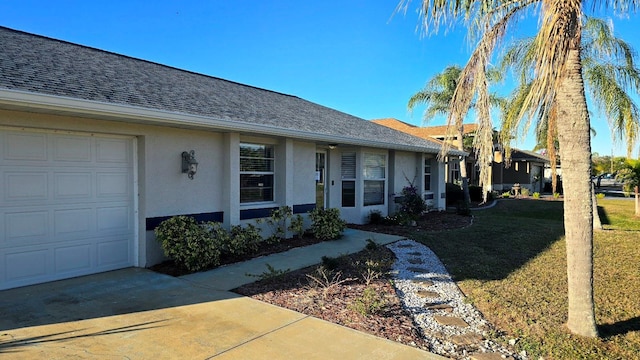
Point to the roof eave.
(36, 102)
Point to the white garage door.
(67, 205)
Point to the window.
(348, 172)
(256, 173)
(454, 169)
(427, 174)
(374, 173)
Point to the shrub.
(271, 274)
(369, 303)
(330, 263)
(191, 245)
(506, 194)
(243, 240)
(536, 195)
(296, 225)
(454, 194)
(556, 195)
(326, 223)
(524, 192)
(600, 196)
(375, 217)
(277, 223)
(411, 203)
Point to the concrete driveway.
(138, 314)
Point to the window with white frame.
(256, 173)
(427, 174)
(348, 172)
(374, 174)
(454, 169)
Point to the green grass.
(511, 264)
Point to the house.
(97, 148)
(452, 164)
(526, 167)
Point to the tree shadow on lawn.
(604, 217)
(620, 327)
(500, 241)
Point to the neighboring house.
(452, 163)
(91, 157)
(526, 167)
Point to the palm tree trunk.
(463, 166)
(575, 156)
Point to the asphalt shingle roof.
(43, 65)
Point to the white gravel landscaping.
(416, 264)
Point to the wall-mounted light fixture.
(333, 146)
(189, 163)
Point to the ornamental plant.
(326, 223)
(411, 203)
(193, 246)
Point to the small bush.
(330, 263)
(524, 192)
(369, 303)
(243, 240)
(326, 223)
(297, 226)
(454, 194)
(536, 195)
(506, 194)
(270, 274)
(277, 223)
(600, 196)
(372, 245)
(375, 217)
(556, 195)
(191, 245)
(411, 203)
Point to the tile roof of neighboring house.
(423, 132)
(71, 76)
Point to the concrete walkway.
(138, 314)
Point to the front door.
(321, 166)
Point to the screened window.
(427, 174)
(374, 174)
(348, 172)
(256, 173)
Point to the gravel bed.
(417, 263)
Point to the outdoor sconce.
(333, 146)
(189, 163)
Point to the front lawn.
(511, 264)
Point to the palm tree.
(437, 95)
(557, 86)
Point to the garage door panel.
(20, 227)
(25, 146)
(73, 222)
(112, 151)
(21, 186)
(112, 184)
(75, 185)
(114, 253)
(71, 148)
(113, 218)
(26, 264)
(73, 258)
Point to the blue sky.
(355, 56)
